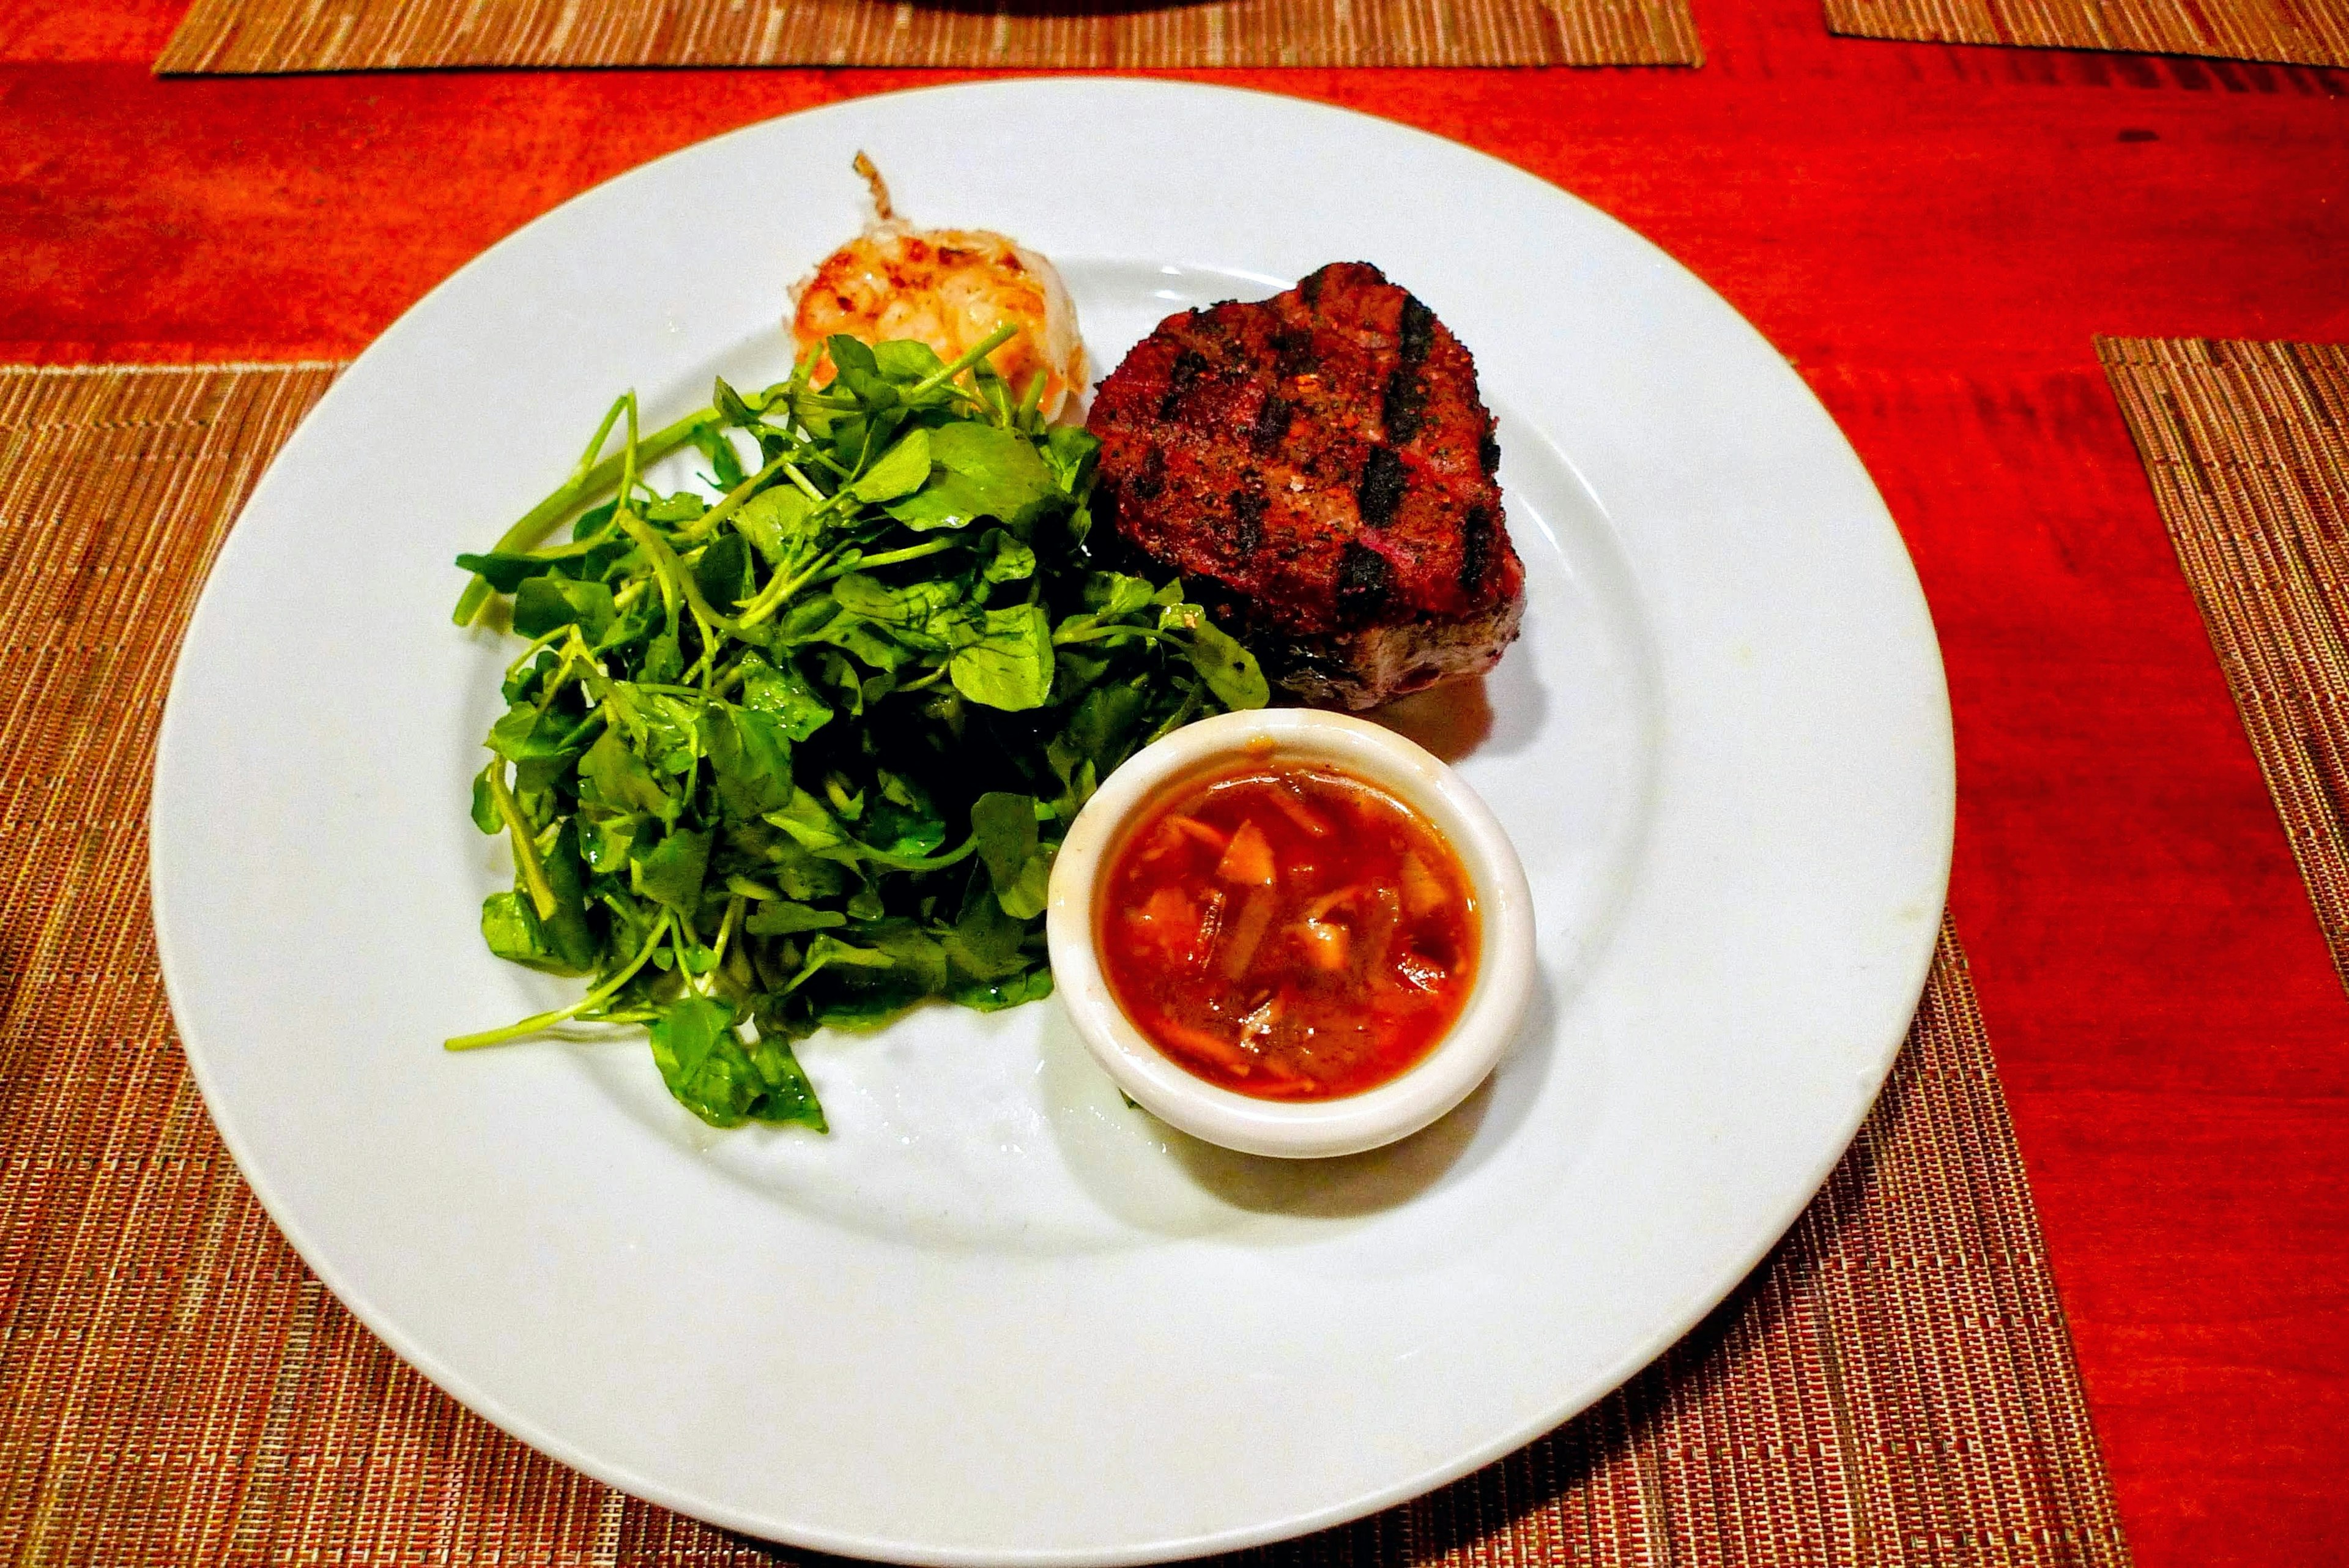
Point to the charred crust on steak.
(1271, 425)
(1293, 353)
(1317, 470)
(1384, 483)
(1489, 453)
(1248, 516)
(1364, 581)
(1402, 405)
(1152, 479)
(1189, 365)
(1476, 530)
(1414, 331)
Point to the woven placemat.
(269, 35)
(1894, 1386)
(2246, 445)
(2291, 32)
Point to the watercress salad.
(801, 755)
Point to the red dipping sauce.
(1287, 931)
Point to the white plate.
(997, 1317)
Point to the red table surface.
(1932, 236)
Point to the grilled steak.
(1319, 468)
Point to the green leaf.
(485, 804)
(504, 570)
(906, 360)
(809, 822)
(750, 758)
(784, 694)
(781, 523)
(615, 778)
(1113, 596)
(542, 603)
(672, 870)
(1099, 736)
(801, 875)
(713, 1074)
(981, 471)
(682, 507)
(664, 660)
(850, 354)
(1009, 666)
(607, 840)
(725, 466)
(825, 951)
(722, 571)
(1004, 559)
(567, 931)
(983, 942)
(593, 520)
(527, 731)
(908, 608)
(900, 472)
(876, 646)
(1019, 868)
(515, 934)
(729, 405)
(919, 958)
(1071, 450)
(1230, 670)
(782, 918)
(994, 995)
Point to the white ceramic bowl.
(1296, 1129)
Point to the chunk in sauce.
(1287, 931)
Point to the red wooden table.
(1932, 236)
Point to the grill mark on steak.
(1364, 582)
(1317, 467)
(1414, 331)
(1153, 477)
(1271, 425)
(1189, 365)
(1405, 403)
(1383, 484)
(1247, 511)
(1477, 531)
(1293, 352)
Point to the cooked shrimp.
(949, 289)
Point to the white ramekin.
(1296, 1129)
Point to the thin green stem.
(919, 862)
(963, 361)
(603, 432)
(525, 846)
(725, 930)
(542, 640)
(772, 597)
(807, 485)
(573, 494)
(594, 999)
(707, 523)
(1104, 633)
(893, 557)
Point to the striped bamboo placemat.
(1894, 1386)
(2291, 32)
(271, 36)
(2246, 445)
